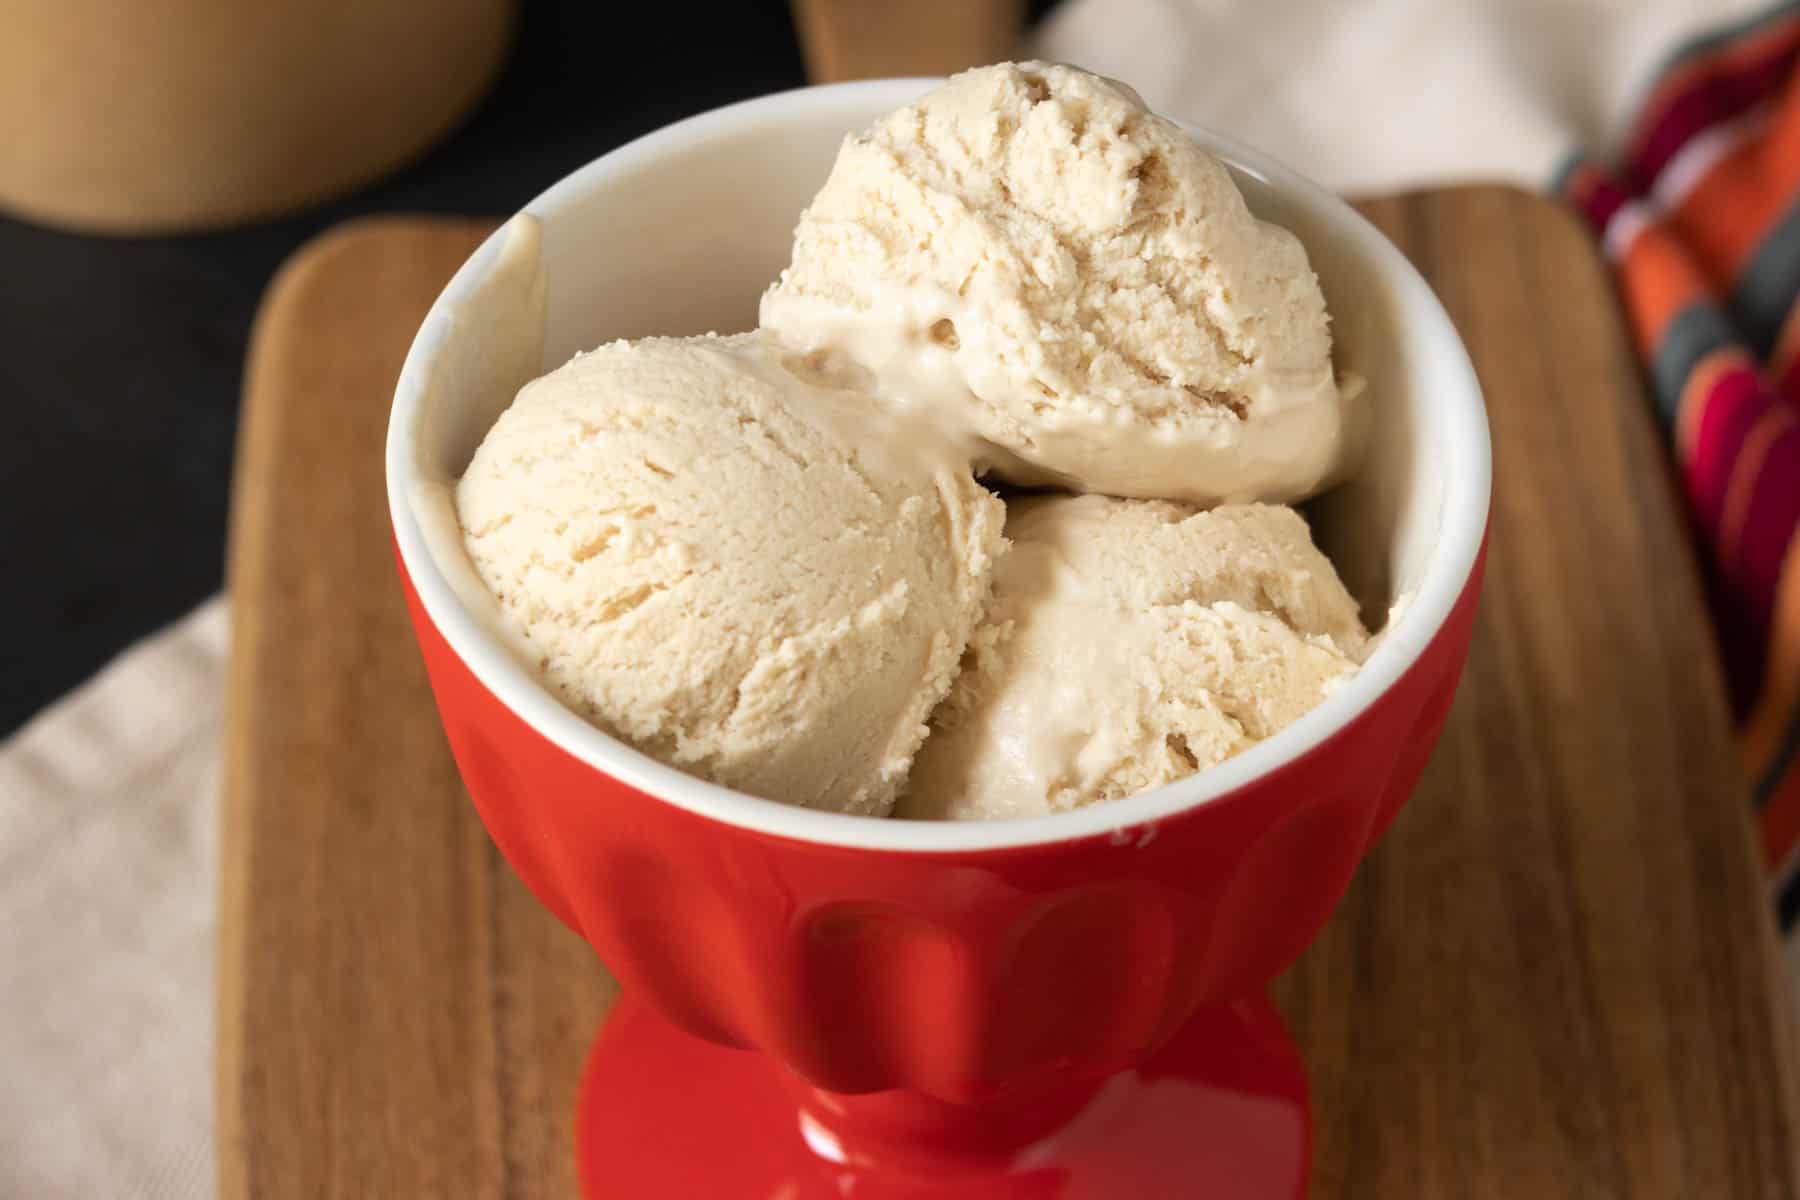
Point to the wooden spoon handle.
(868, 39)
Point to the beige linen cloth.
(108, 800)
(109, 836)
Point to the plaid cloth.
(1699, 216)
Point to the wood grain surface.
(396, 1015)
(1555, 977)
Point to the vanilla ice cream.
(1071, 281)
(765, 559)
(742, 574)
(1130, 643)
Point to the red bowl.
(1004, 1008)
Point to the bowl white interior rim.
(1462, 527)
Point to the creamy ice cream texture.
(713, 561)
(765, 559)
(1128, 644)
(1070, 280)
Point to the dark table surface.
(120, 359)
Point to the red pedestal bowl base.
(1220, 1112)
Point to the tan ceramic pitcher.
(159, 115)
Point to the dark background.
(120, 359)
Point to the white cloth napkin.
(108, 801)
(1365, 95)
(109, 835)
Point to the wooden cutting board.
(1556, 976)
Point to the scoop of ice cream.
(1130, 643)
(1071, 279)
(731, 569)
